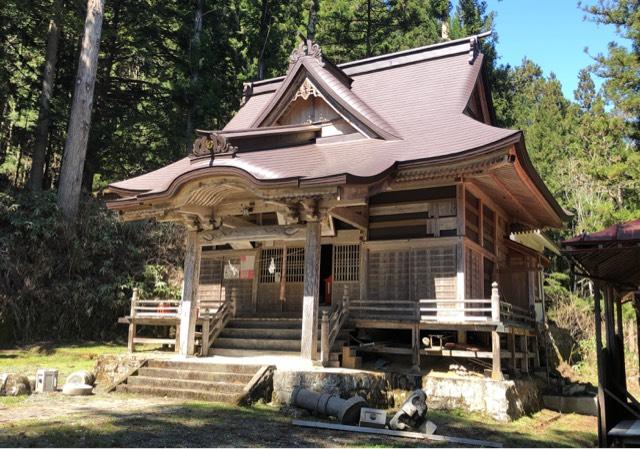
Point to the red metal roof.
(629, 231)
(612, 254)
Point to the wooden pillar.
(524, 344)
(536, 353)
(189, 304)
(204, 348)
(460, 253)
(132, 324)
(602, 421)
(256, 279)
(324, 339)
(415, 343)
(283, 279)
(309, 341)
(496, 366)
(511, 344)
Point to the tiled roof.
(418, 97)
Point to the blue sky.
(552, 33)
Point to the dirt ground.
(111, 420)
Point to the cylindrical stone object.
(347, 411)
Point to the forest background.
(169, 67)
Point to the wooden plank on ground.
(395, 433)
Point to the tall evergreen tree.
(75, 148)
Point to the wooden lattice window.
(270, 265)
(211, 271)
(472, 211)
(295, 264)
(488, 228)
(346, 263)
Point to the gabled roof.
(410, 104)
(335, 87)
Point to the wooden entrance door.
(278, 293)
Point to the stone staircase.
(193, 380)
(247, 337)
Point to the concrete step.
(268, 323)
(178, 393)
(182, 384)
(203, 367)
(207, 376)
(261, 333)
(256, 343)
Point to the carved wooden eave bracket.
(306, 48)
(212, 144)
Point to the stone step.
(203, 367)
(207, 376)
(261, 333)
(182, 384)
(178, 393)
(257, 344)
(251, 352)
(262, 323)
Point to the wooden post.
(204, 348)
(283, 279)
(415, 333)
(495, 302)
(189, 304)
(309, 341)
(524, 342)
(460, 252)
(132, 324)
(324, 339)
(536, 353)
(602, 416)
(177, 344)
(496, 366)
(511, 344)
(256, 279)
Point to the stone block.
(14, 385)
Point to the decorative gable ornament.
(212, 144)
(306, 48)
(306, 90)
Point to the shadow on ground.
(208, 424)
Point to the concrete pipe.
(347, 411)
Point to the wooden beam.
(513, 199)
(253, 233)
(357, 217)
(310, 306)
(189, 304)
(232, 221)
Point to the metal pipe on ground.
(347, 411)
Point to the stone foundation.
(502, 400)
(381, 390)
(110, 368)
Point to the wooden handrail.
(154, 307)
(330, 326)
(216, 324)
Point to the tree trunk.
(263, 32)
(75, 147)
(44, 113)
(194, 63)
(313, 19)
(368, 38)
